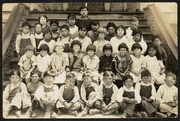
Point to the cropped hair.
(108, 73)
(158, 55)
(91, 47)
(94, 22)
(45, 16)
(134, 19)
(14, 72)
(35, 71)
(26, 24)
(137, 31)
(54, 22)
(122, 27)
(156, 36)
(30, 48)
(126, 77)
(145, 73)
(72, 16)
(87, 74)
(83, 7)
(44, 47)
(37, 24)
(70, 75)
(111, 24)
(107, 47)
(102, 30)
(172, 75)
(49, 73)
(64, 27)
(82, 28)
(123, 45)
(47, 31)
(135, 46)
(76, 42)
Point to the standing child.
(147, 92)
(93, 34)
(59, 62)
(85, 40)
(65, 38)
(91, 63)
(122, 63)
(27, 63)
(15, 96)
(111, 28)
(54, 29)
(38, 34)
(139, 62)
(100, 40)
(47, 94)
(167, 95)
(128, 97)
(69, 96)
(24, 39)
(43, 20)
(155, 65)
(73, 29)
(48, 40)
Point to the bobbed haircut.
(91, 47)
(135, 46)
(122, 27)
(64, 27)
(158, 55)
(47, 31)
(54, 22)
(83, 7)
(26, 24)
(44, 47)
(71, 16)
(45, 16)
(126, 77)
(35, 71)
(14, 72)
(108, 73)
(145, 73)
(156, 36)
(123, 45)
(76, 42)
(30, 48)
(107, 47)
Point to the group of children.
(83, 68)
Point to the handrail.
(11, 25)
(165, 29)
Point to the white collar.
(128, 90)
(142, 83)
(108, 86)
(48, 86)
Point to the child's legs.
(165, 108)
(91, 96)
(130, 109)
(16, 101)
(112, 108)
(148, 107)
(26, 100)
(98, 104)
(6, 108)
(76, 106)
(122, 106)
(155, 104)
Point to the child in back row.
(43, 19)
(111, 28)
(54, 29)
(38, 34)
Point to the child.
(73, 29)
(85, 40)
(69, 96)
(122, 63)
(65, 38)
(139, 62)
(43, 59)
(15, 96)
(91, 62)
(47, 94)
(111, 28)
(107, 95)
(147, 92)
(106, 60)
(137, 37)
(24, 39)
(167, 95)
(128, 97)
(84, 19)
(100, 40)
(155, 66)
(27, 63)
(48, 40)
(54, 29)
(158, 41)
(89, 93)
(59, 62)
(38, 34)
(119, 38)
(93, 34)
(43, 20)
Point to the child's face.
(87, 81)
(29, 53)
(15, 79)
(59, 49)
(137, 37)
(47, 36)
(71, 21)
(137, 51)
(35, 78)
(169, 81)
(108, 80)
(157, 42)
(107, 52)
(95, 27)
(82, 33)
(54, 26)
(48, 80)
(43, 53)
(111, 30)
(152, 52)
(101, 36)
(70, 82)
(84, 12)
(134, 25)
(26, 29)
(120, 32)
(76, 48)
(90, 53)
(128, 83)
(123, 51)
(64, 32)
(38, 28)
(146, 79)
(43, 20)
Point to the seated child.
(91, 63)
(128, 97)
(122, 63)
(47, 94)
(111, 28)
(54, 29)
(65, 38)
(107, 95)
(89, 93)
(24, 39)
(48, 40)
(59, 62)
(43, 59)
(27, 63)
(167, 95)
(93, 34)
(100, 41)
(73, 29)
(139, 62)
(15, 95)
(38, 34)
(69, 96)
(85, 40)
(43, 21)
(147, 92)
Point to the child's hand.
(149, 100)
(125, 99)
(132, 101)
(144, 98)
(68, 106)
(161, 73)
(104, 107)
(67, 70)
(45, 101)
(174, 103)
